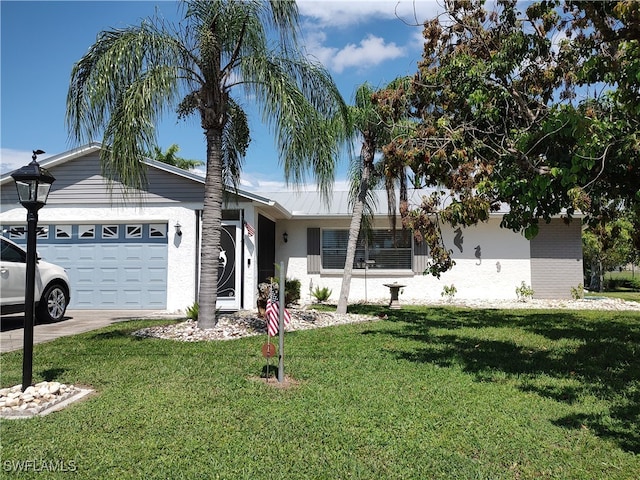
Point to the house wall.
(182, 261)
(503, 264)
(80, 194)
(556, 259)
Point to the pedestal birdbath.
(394, 288)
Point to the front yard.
(426, 393)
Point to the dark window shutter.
(313, 250)
(420, 256)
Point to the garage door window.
(157, 230)
(86, 231)
(63, 231)
(134, 231)
(110, 231)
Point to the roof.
(310, 204)
(285, 203)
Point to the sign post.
(281, 324)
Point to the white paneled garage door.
(114, 266)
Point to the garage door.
(114, 266)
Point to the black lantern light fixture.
(285, 237)
(33, 184)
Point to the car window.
(11, 253)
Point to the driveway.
(76, 321)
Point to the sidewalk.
(76, 321)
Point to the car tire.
(53, 304)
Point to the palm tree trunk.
(354, 231)
(211, 226)
(354, 228)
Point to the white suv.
(51, 286)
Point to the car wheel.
(53, 304)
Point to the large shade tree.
(535, 108)
(131, 77)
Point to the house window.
(63, 231)
(382, 248)
(110, 231)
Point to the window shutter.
(420, 256)
(313, 250)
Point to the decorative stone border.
(39, 399)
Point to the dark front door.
(266, 248)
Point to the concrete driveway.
(76, 321)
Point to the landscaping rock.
(37, 399)
(249, 323)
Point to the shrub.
(321, 294)
(192, 311)
(524, 292)
(449, 291)
(291, 290)
(577, 293)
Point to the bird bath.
(395, 289)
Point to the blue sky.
(356, 40)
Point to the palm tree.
(170, 157)
(375, 126)
(130, 77)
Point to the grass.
(433, 393)
(628, 296)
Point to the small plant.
(449, 291)
(321, 294)
(577, 293)
(524, 292)
(192, 311)
(291, 290)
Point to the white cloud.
(13, 159)
(371, 51)
(353, 12)
(322, 18)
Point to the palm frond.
(119, 89)
(303, 107)
(235, 141)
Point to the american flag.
(273, 316)
(250, 230)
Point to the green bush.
(291, 290)
(449, 291)
(524, 292)
(321, 294)
(622, 283)
(577, 293)
(192, 311)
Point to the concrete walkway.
(76, 321)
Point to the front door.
(266, 249)
(229, 290)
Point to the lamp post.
(33, 184)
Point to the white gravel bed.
(247, 323)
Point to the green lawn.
(628, 296)
(429, 393)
